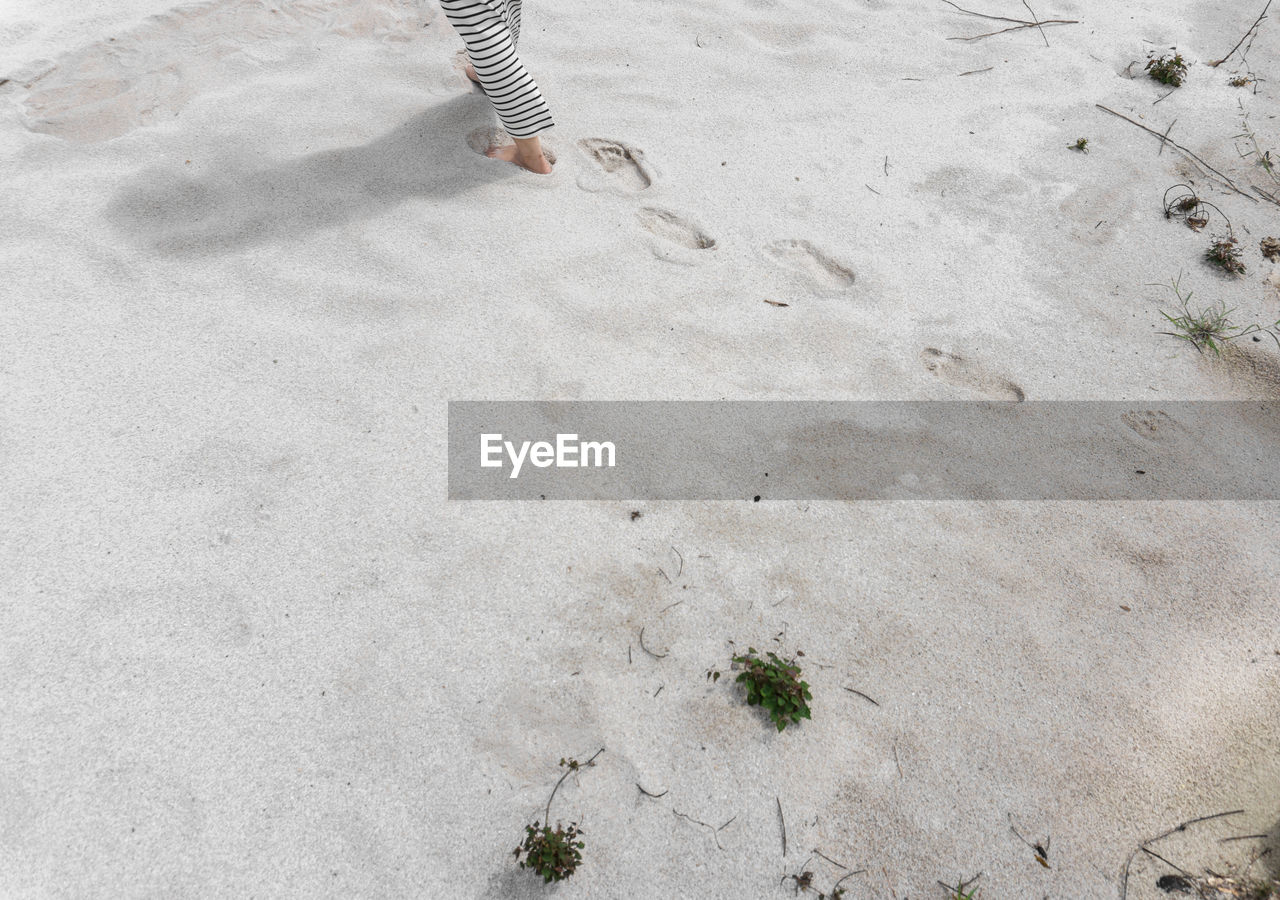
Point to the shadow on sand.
(242, 204)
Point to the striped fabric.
(490, 29)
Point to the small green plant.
(1225, 253)
(1166, 69)
(775, 684)
(963, 890)
(1081, 144)
(1240, 81)
(554, 854)
(1210, 328)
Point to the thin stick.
(1124, 880)
(1037, 18)
(650, 793)
(782, 820)
(830, 860)
(978, 37)
(546, 819)
(895, 760)
(1256, 23)
(862, 695)
(1183, 826)
(647, 650)
(1174, 143)
(681, 555)
(846, 875)
(985, 16)
(1271, 197)
(1164, 139)
(1244, 837)
(975, 71)
(1018, 24)
(1165, 861)
(715, 832)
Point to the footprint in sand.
(670, 227)
(112, 86)
(820, 270)
(1150, 425)
(617, 166)
(955, 369)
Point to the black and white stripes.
(490, 29)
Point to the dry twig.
(715, 832)
(1231, 184)
(1019, 24)
(1252, 29)
(1143, 847)
(647, 650)
(782, 820)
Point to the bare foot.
(525, 152)
(471, 72)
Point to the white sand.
(248, 649)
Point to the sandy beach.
(252, 250)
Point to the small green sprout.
(963, 890)
(775, 684)
(1171, 70)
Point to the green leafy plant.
(554, 854)
(775, 684)
(1081, 144)
(1210, 328)
(1225, 253)
(1169, 70)
(1240, 81)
